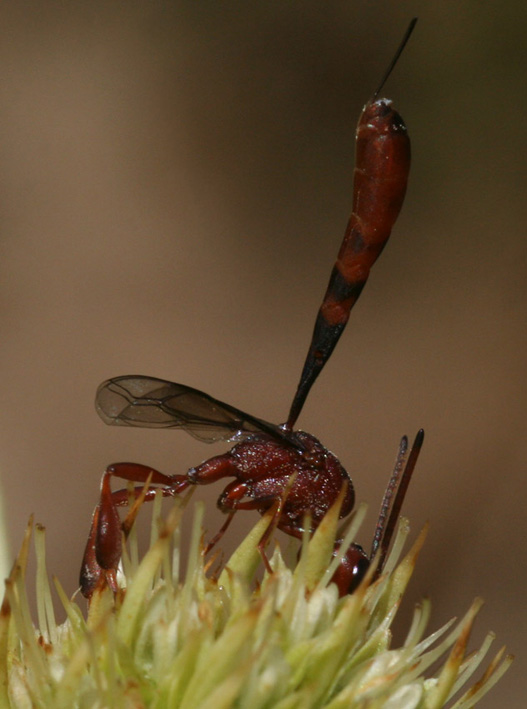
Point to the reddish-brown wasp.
(274, 465)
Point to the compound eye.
(358, 572)
(353, 567)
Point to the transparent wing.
(147, 402)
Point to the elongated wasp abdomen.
(382, 166)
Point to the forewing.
(148, 402)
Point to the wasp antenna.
(388, 495)
(386, 534)
(395, 58)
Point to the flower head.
(223, 639)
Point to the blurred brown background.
(175, 182)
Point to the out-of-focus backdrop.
(175, 183)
